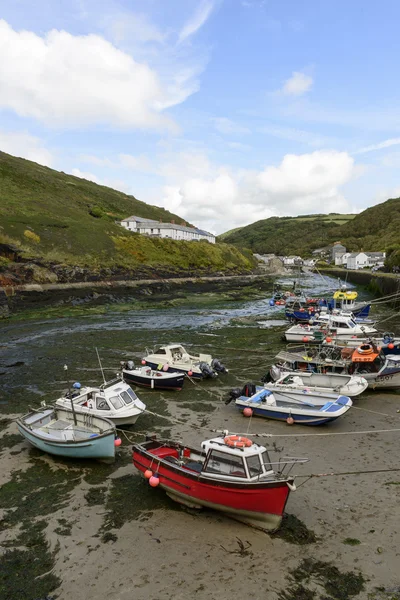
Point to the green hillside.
(375, 229)
(54, 218)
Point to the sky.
(224, 112)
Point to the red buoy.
(390, 346)
(148, 473)
(328, 339)
(247, 412)
(190, 373)
(143, 361)
(290, 420)
(117, 442)
(154, 481)
(305, 339)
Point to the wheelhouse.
(222, 461)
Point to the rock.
(4, 307)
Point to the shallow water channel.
(69, 512)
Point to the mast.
(70, 395)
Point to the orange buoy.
(328, 339)
(390, 346)
(247, 412)
(237, 441)
(290, 420)
(117, 442)
(148, 473)
(143, 361)
(154, 481)
(190, 373)
(305, 339)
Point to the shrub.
(96, 212)
(32, 236)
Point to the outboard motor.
(249, 389)
(207, 370)
(234, 395)
(388, 338)
(275, 373)
(218, 366)
(130, 365)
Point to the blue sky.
(223, 111)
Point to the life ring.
(365, 349)
(237, 441)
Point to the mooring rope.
(280, 435)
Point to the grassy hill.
(375, 229)
(54, 218)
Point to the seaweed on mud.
(9, 440)
(203, 407)
(299, 592)
(129, 498)
(64, 527)
(295, 531)
(351, 541)
(39, 491)
(319, 574)
(4, 423)
(26, 573)
(96, 495)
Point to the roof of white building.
(161, 224)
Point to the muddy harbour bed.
(85, 530)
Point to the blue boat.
(264, 404)
(71, 434)
(304, 309)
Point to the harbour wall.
(379, 284)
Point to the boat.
(290, 407)
(114, 400)
(388, 343)
(304, 309)
(316, 385)
(380, 371)
(151, 378)
(70, 434)
(230, 474)
(328, 326)
(173, 358)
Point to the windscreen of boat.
(128, 396)
(222, 463)
(116, 401)
(254, 465)
(160, 351)
(265, 460)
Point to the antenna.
(101, 368)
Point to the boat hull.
(361, 312)
(99, 448)
(260, 504)
(172, 369)
(283, 414)
(156, 383)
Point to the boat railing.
(285, 464)
(108, 384)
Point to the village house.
(166, 230)
(361, 260)
(337, 250)
(292, 261)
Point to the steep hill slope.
(51, 218)
(376, 228)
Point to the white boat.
(71, 434)
(173, 358)
(114, 400)
(318, 387)
(329, 326)
(283, 407)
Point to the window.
(160, 351)
(101, 403)
(254, 465)
(128, 397)
(222, 463)
(116, 402)
(266, 461)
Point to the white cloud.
(25, 146)
(224, 125)
(124, 161)
(218, 198)
(196, 21)
(86, 175)
(298, 84)
(296, 135)
(68, 80)
(380, 146)
(136, 27)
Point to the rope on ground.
(281, 435)
(314, 475)
(372, 411)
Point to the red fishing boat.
(231, 474)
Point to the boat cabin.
(113, 396)
(176, 353)
(223, 460)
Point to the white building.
(341, 259)
(166, 230)
(291, 261)
(360, 260)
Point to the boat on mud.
(293, 408)
(156, 380)
(114, 400)
(367, 360)
(388, 342)
(315, 385)
(70, 434)
(303, 308)
(230, 474)
(173, 358)
(328, 326)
